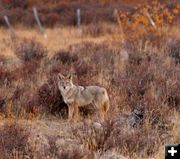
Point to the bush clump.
(30, 50)
(50, 99)
(173, 48)
(65, 57)
(13, 137)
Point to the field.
(137, 63)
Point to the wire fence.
(78, 21)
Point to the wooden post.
(10, 28)
(39, 22)
(78, 18)
(78, 12)
(151, 20)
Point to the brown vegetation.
(54, 12)
(139, 67)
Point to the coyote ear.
(69, 76)
(60, 76)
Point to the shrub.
(50, 99)
(28, 19)
(142, 140)
(6, 76)
(2, 103)
(15, 3)
(30, 50)
(65, 152)
(27, 71)
(52, 19)
(63, 62)
(65, 57)
(173, 49)
(13, 137)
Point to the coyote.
(78, 96)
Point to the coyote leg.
(76, 113)
(70, 112)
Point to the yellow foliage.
(159, 13)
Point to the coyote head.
(65, 82)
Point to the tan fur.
(79, 96)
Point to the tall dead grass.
(140, 73)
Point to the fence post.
(39, 22)
(78, 18)
(151, 20)
(10, 28)
(78, 12)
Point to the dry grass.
(59, 38)
(139, 69)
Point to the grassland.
(137, 64)
(139, 69)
